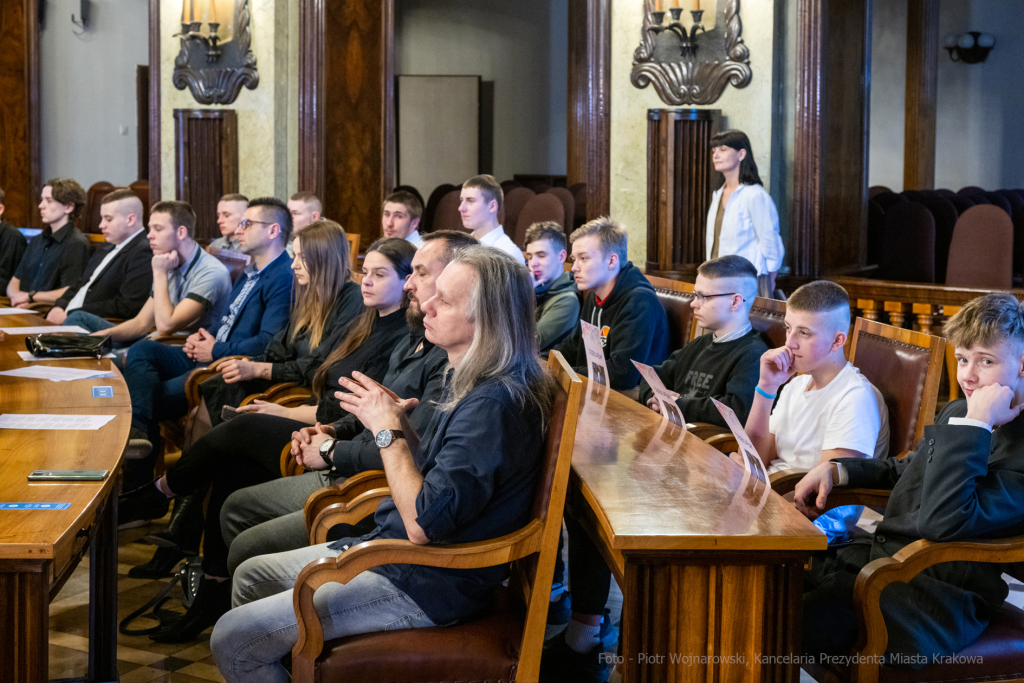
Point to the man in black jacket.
(118, 277)
(724, 365)
(558, 300)
(268, 518)
(620, 302)
(12, 246)
(964, 481)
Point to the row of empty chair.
(972, 238)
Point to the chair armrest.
(785, 481)
(287, 394)
(200, 375)
(705, 430)
(369, 554)
(903, 567)
(351, 512)
(40, 307)
(171, 339)
(343, 492)
(725, 443)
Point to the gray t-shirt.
(204, 279)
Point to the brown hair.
(2, 195)
(408, 200)
(453, 242)
(181, 215)
(613, 237)
(325, 253)
(546, 230)
(66, 191)
(488, 186)
(399, 253)
(234, 197)
(730, 265)
(309, 198)
(822, 296)
(986, 321)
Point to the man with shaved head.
(118, 277)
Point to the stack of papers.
(36, 421)
(47, 329)
(16, 311)
(56, 374)
(27, 356)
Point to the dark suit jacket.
(12, 246)
(960, 483)
(122, 288)
(264, 313)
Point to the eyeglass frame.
(701, 298)
(246, 223)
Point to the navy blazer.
(264, 313)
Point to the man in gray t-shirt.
(190, 287)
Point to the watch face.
(326, 446)
(383, 438)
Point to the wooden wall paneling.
(155, 171)
(19, 111)
(206, 162)
(357, 119)
(829, 232)
(142, 120)
(661, 184)
(311, 96)
(921, 94)
(589, 106)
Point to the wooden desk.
(39, 549)
(710, 562)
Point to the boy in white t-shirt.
(830, 410)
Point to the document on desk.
(62, 422)
(751, 460)
(55, 374)
(47, 329)
(28, 357)
(16, 311)
(597, 367)
(666, 399)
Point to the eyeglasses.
(246, 223)
(701, 298)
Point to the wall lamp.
(970, 48)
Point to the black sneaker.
(559, 611)
(559, 663)
(144, 503)
(212, 601)
(609, 635)
(139, 445)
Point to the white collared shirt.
(79, 299)
(750, 228)
(499, 240)
(415, 239)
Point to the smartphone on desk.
(228, 412)
(68, 475)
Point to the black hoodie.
(633, 326)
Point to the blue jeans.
(249, 641)
(87, 321)
(155, 374)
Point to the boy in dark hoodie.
(724, 365)
(620, 302)
(558, 301)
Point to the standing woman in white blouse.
(743, 219)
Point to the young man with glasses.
(260, 300)
(725, 364)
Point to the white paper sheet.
(16, 311)
(48, 329)
(666, 399)
(752, 462)
(63, 422)
(27, 357)
(597, 367)
(55, 374)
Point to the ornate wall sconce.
(215, 59)
(668, 57)
(970, 48)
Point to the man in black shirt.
(56, 258)
(118, 278)
(12, 246)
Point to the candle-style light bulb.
(191, 10)
(184, 6)
(213, 11)
(657, 5)
(696, 4)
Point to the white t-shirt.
(499, 240)
(849, 412)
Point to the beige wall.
(749, 109)
(267, 116)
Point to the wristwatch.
(386, 436)
(325, 451)
(32, 297)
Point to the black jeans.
(590, 579)
(241, 452)
(830, 615)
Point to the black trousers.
(829, 614)
(241, 452)
(589, 577)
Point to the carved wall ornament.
(691, 66)
(215, 72)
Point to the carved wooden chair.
(503, 645)
(998, 655)
(353, 247)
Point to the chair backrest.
(887, 199)
(908, 244)
(235, 261)
(768, 316)
(675, 298)
(905, 366)
(579, 194)
(89, 220)
(996, 199)
(509, 185)
(141, 190)
(961, 202)
(541, 207)
(447, 216)
(1017, 216)
(515, 200)
(431, 207)
(945, 215)
(876, 231)
(971, 189)
(981, 254)
(353, 248)
(532, 574)
(568, 203)
(876, 190)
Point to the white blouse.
(750, 228)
